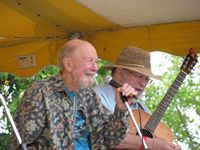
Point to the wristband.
(142, 144)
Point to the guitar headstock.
(189, 62)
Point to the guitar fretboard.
(164, 104)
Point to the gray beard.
(83, 82)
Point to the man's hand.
(125, 90)
(157, 144)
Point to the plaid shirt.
(46, 118)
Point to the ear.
(67, 63)
(119, 70)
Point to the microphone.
(110, 81)
(113, 83)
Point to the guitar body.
(162, 131)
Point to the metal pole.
(136, 126)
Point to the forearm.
(130, 142)
(134, 142)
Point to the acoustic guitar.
(151, 125)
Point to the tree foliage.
(177, 116)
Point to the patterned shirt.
(46, 119)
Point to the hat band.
(131, 65)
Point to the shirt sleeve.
(120, 124)
(30, 119)
(107, 96)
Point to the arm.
(125, 90)
(104, 127)
(30, 119)
(134, 142)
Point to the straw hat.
(136, 59)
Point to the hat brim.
(142, 70)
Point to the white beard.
(84, 82)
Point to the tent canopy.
(32, 32)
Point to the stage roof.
(32, 32)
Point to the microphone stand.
(24, 147)
(125, 101)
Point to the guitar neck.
(164, 104)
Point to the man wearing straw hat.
(132, 67)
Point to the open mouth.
(90, 74)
